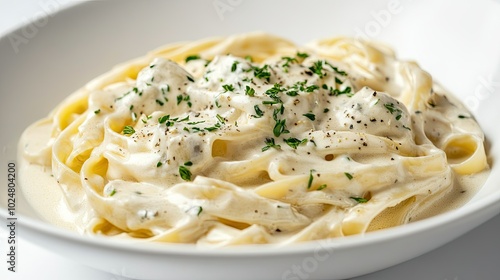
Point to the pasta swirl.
(253, 139)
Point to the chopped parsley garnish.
(274, 91)
(294, 142)
(463, 117)
(228, 87)
(258, 112)
(147, 119)
(212, 128)
(186, 118)
(159, 102)
(311, 88)
(121, 97)
(188, 163)
(270, 102)
(359, 199)
(262, 73)
(270, 144)
(190, 78)
(185, 173)
(310, 181)
(159, 164)
(317, 68)
(392, 109)
(220, 119)
(348, 175)
(113, 192)
(302, 55)
(280, 127)
(338, 81)
(288, 60)
(321, 187)
(128, 130)
(310, 116)
(97, 111)
(337, 92)
(234, 66)
(186, 98)
(200, 209)
(340, 72)
(192, 57)
(163, 119)
(195, 210)
(249, 91)
(301, 86)
(165, 89)
(279, 110)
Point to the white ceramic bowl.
(45, 60)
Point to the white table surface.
(474, 256)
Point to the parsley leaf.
(359, 199)
(393, 109)
(337, 92)
(310, 181)
(321, 187)
(294, 142)
(234, 66)
(262, 73)
(163, 119)
(317, 68)
(280, 127)
(128, 130)
(270, 144)
(302, 55)
(192, 57)
(185, 173)
(249, 91)
(258, 112)
(228, 87)
(310, 116)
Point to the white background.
(475, 255)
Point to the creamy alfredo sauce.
(223, 150)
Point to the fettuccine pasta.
(254, 139)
